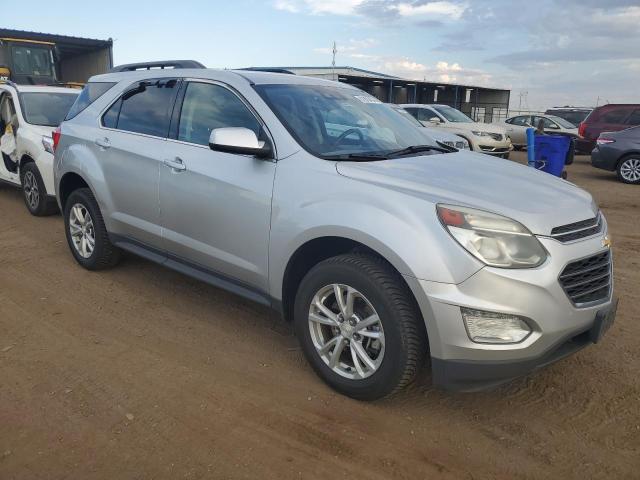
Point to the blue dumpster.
(551, 153)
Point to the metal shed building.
(483, 104)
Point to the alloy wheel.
(82, 230)
(346, 331)
(31, 191)
(630, 169)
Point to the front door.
(215, 206)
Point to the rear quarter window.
(90, 93)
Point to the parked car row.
(517, 127)
(382, 246)
(485, 138)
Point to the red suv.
(607, 118)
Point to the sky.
(549, 53)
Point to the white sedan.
(517, 127)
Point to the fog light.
(490, 327)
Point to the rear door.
(131, 144)
(216, 207)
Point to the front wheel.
(35, 193)
(629, 170)
(359, 326)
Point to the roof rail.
(268, 70)
(162, 64)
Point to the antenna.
(333, 63)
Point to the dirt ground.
(140, 373)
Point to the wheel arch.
(70, 182)
(314, 251)
(626, 155)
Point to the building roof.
(366, 74)
(57, 39)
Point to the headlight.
(493, 239)
(480, 134)
(490, 327)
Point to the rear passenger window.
(145, 108)
(90, 93)
(634, 119)
(207, 106)
(614, 116)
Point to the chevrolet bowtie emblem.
(606, 241)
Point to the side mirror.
(238, 140)
(554, 127)
(434, 120)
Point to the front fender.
(311, 200)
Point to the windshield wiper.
(357, 157)
(416, 149)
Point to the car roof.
(253, 77)
(40, 88)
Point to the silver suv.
(318, 200)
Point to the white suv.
(28, 117)
(482, 137)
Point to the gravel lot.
(140, 372)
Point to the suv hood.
(536, 199)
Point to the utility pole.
(333, 63)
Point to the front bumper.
(558, 327)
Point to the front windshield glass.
(451, 114)
(333, 121)
(562, 122)
(46, 109)
(36, 61)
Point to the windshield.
(451, 114)
(562, 122)
(46, 109)
(36, 61)
(331, 121)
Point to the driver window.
(208, 106)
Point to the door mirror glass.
(238, 140)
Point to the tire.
(505, 155)
(103, 254)
(401, 336)
(35, 193)
(629, 170)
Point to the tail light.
(605, 141)
(56, 138)
(581, 129)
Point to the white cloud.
(318, 7)
(441, 71)
(287, 5)
(434, 9)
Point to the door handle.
(176, 164)
(103, 142)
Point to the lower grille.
(588, 280)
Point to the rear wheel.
(629, 170)
(86, 233)
(359, 326)
(35, 193)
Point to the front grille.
(496, 136)
(578, 230)
(588, 280)
(460, 145)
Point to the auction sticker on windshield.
(367, 99)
